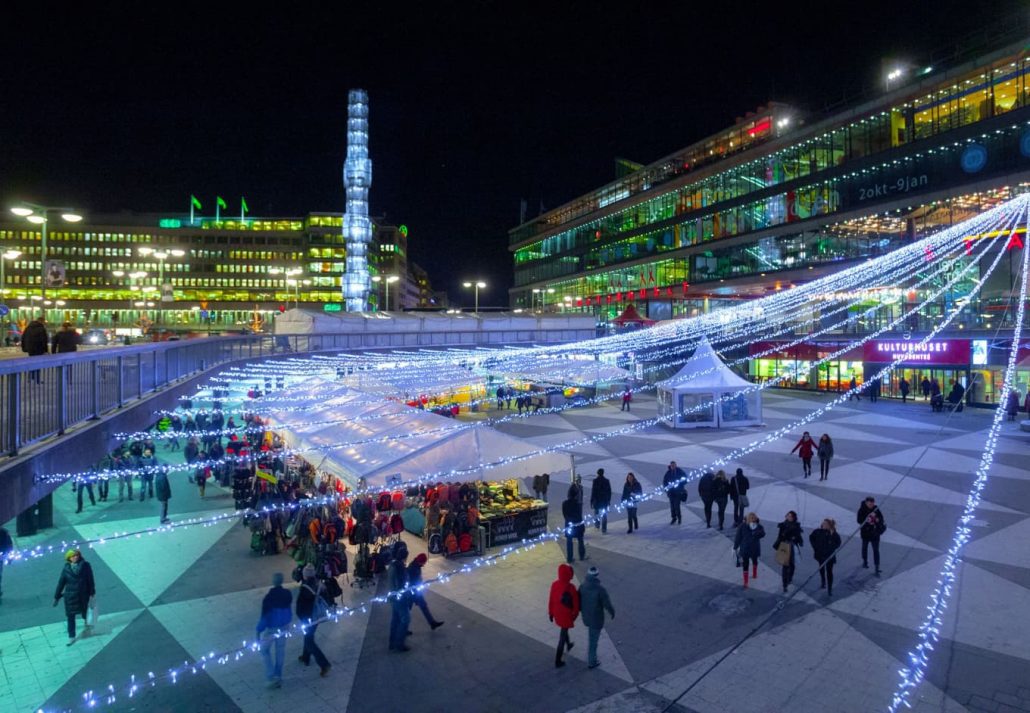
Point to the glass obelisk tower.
(357, 228)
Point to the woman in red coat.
(563, 608)
(805, 448)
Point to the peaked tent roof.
(630, 314)
(704, 370)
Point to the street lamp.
(161, 256)
(8, 255)
(478, 286)
(387, 280)
(39, 215)
(287, 282)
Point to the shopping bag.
(783, 554)
(92, 613)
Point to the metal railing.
(44, 396)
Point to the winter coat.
(739, 485)
(905, 388)
(869, 530)
(398, 580)
(34, 339)
(162, 489)
(275, 609)
(747, 541)
(957, 391)
(77, 586)
(720, 490)
(601, 493)
(789, 532)
(306, 598)
(563, 615)
(191, 451)
(594, 602)
(704, 487)
(824, 544)
(1012, 406)
(825, 450)
(925, 386)
(630, 491)
(65, 340)
(672, 476)
(572, 511)
(805, 447)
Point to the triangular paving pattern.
(1007, 546)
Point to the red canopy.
(631, 316)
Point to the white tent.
(454, 449)
(706, 393)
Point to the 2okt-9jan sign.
(948, 352)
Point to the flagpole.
(191, 210)
(217, 210)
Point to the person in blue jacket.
(276, 615)
(747, 544)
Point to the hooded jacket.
(594, 600)
(564, 616)
(275, 609)
(34, 340)
(805, 447)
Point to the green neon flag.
(194, 202)
(243, 204)
(221, 202)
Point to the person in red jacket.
(562, 609)
(805, 448)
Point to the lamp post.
(138, 275)
(161, 256)
(386, 281)
(543, 298)
(39, 215)
(7, 255)
(287, 274)
(479, 284)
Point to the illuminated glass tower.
(357, 228)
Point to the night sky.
(474, 106)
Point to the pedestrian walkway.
(166, 598)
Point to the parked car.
(96, 337)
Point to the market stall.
(706, 393)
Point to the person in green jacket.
(594, 602)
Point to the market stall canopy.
(631, 316)
(706, 392)
(561, 371)
(403, 443)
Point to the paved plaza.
(680, 607)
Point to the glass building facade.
(781, 198)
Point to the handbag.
(743, 500)
(683, 496)
(320, 610)
(93, 611)
(783, 554)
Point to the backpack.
(465, 542)
(396, 524)
(451, 544)
(384, 503)
(435, 543)
(361, 534)
(397, 500)
(444, 493)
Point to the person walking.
(575, 528)
(400, 598)
(825, 542)
(164, 494)
(65, 340)
(790, 536)
(146, 477)
(417, 598)
(84, 483)
(594, 602)
(6, 547)
(704, 490)
(601, 501)
(873, 526)
(562, 610)
(956, 394)
(125, 463)
(805, 449)
(825, 453)
(904, 388)
(720, 493)
(739, 485)
(1012, 404)
(627, 398)
(272, 629)
(675, 486)
(78, 588)
(312, 606)
(873, 389)
(632, 491)
(853, 392)
(924, 386)
(747, 544)
(34, 342)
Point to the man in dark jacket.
(705, 490)
(164, 494)
(572, 511)
(34, 342)
(66, 340)
(311, 590)
(873, 525)
(601, 500)
(271, 629)
(77, 587)
(739, 485)
(417, 598)
(594, 602)
(400, 599)
(676, 490)
(956, 394)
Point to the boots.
(745, 578)
(754, 571)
